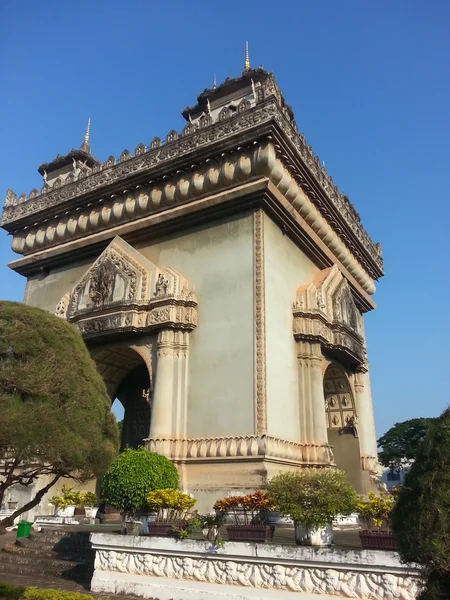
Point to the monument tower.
(220, 280)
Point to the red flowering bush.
(246, 508)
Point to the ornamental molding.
(308, 172)
(325, 312)
(123, 291)
(324, 577)
(260, 322)
(262, 447)
(260, 161)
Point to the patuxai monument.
(219, 279)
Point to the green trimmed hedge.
(10, 592)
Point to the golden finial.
(215, 82)
(88, 131)
(247, 61)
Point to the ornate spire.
(85, 146)
(247, 61)
(88, 131)
(215, 82)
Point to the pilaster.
(313, 426)
(168, 418)
(364, 409)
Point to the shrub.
(313, 497)
(10, 592)
(249, 506)
(67, 497)
(88, 499)
(375, 513)
(171, 505)
(133, 475)
(421, 517)
(33, 593)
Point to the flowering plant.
(375, 513)
(249, 506)
(170, 505)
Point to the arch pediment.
(325, 311)
(124, 291)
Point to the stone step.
(56, 535)
(46, 562)
(62, 546)
(44, 566)
(82, 555)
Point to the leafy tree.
(401, 442)
(133, 475)
(55, 418)
(421, 517)
(313, 497)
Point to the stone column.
(313, 425)
(162, 413)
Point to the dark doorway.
(133, 394)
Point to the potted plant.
(171, 508)
(375, 520)
(249, 516)
(65, 503)
(129, 479)
(88, 501)
(312, 498)
(210, 526)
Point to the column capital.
(309, 354)
(173, 342)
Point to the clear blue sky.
(370, 88)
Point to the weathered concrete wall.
(286, 268)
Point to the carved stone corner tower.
(220, 280)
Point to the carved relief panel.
(325, 311)
(339, 404)
(123, 290)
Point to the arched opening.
(127, 374)
(342, 424)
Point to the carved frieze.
(316, 578)
(116, 294)
(325, 311)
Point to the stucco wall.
(218, 262)
(46, 292)
(286, 268)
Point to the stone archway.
(127, 372)
(342, 424)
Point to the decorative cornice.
(241, 447)
(260, 322)
(105, 177)
(228, 171)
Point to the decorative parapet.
(242, 447)
(182, 569)
(268, 108)
(325, 312)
